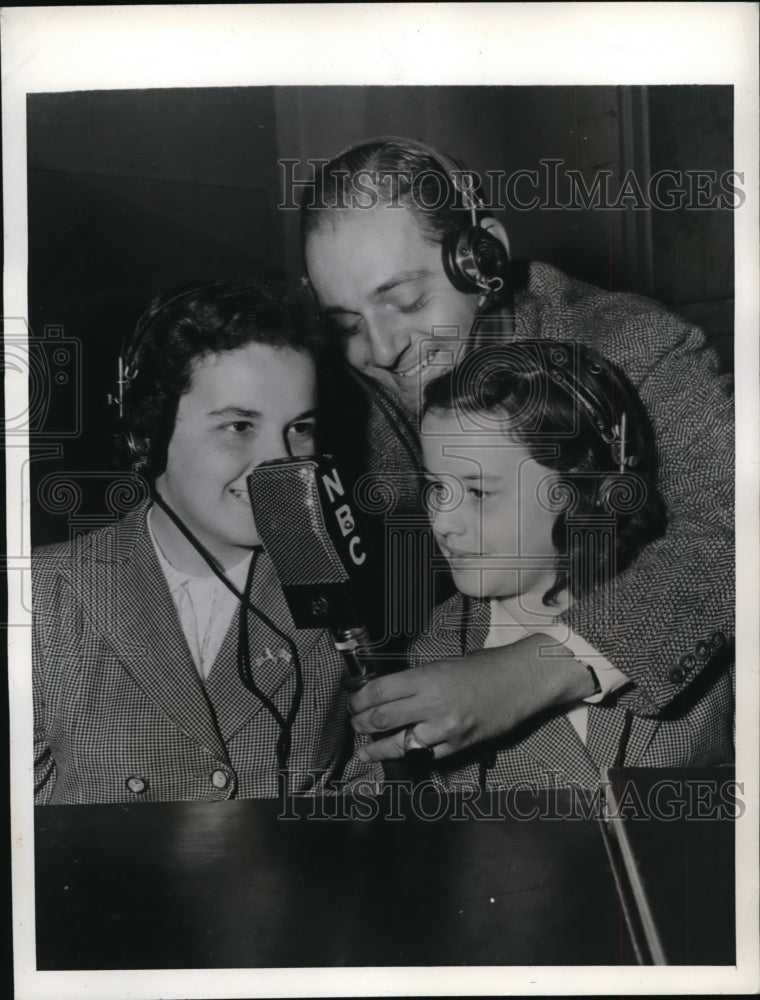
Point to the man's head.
(383, 254)
(224, 379)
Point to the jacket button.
(219, 779)
(137, 785)
(717, 639)
(676, 674)
(702, 650)
(687, 662)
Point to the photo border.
(52, 49)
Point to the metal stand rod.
(353, 644)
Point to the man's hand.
(455, 703)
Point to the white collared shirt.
(204, 605)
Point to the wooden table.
(235, 885)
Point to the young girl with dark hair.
(408, 263)
(166, 664)
(541, 487)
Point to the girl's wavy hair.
(525, 389)
(185, 325)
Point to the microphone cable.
(495, 320)
(245, 671)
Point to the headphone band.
(609, 422)
(612, 431)
(129, 355)
(130, 351)
(451, 167)
(580, 381)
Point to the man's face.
(242, 407)
(384, 286)
(485, 503)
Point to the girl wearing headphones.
(541, 487)
(413, 269)
(166, 664)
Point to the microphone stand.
(353, 643)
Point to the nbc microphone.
(308, 528)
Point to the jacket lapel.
(476, 620)
(123, 592)
(559, 749)
(605, 732)
(271, 655)
(554, 743)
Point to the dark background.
(132, 192)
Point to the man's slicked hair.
(391, 172)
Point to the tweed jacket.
(656, 619)
(120, 712)
(697, 728)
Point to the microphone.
(310, 532)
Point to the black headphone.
(129, 366)
(473, 258)
(608, 416)
(589, 385)
(586, 382)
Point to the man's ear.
(496, 229)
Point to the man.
(403, 273)
(150, 682)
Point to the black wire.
(198, 546)
(499, 308)
(284, 724)
(624, 737)
(244, 653)
(245, 671)
(394, 416)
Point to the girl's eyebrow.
(305, 415)
(477, 477)
(469, 477)
(235, 411)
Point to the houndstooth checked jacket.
(696, 729)
(120, 713)
(654, 619)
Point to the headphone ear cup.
(490, 254)
(454, 252)
(139, 449)
(613, 494)
(475, 260)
